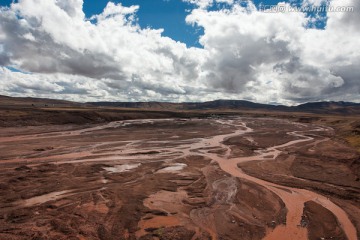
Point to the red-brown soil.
(230, 178)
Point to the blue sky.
(169, 15)
(166, 14)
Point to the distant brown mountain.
(217, 104)
(330, 107)
(38, 102)
(313, 107)
(39, 111)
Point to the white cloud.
(314, 2)
(247, 54)
(57, 39)
(248, 48)
(200, 3)
(208, 3)
(26, 83)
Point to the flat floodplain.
(206, 178)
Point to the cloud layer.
(247, 54)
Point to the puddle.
(121, 168)
(103, 180)
(173, 168)
(45, 198)
(156, 222)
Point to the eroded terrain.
(230, 178)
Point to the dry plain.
(194, 178)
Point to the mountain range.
(325, 107)
(313, 107)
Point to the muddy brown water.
(293, 198)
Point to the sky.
(267, 51)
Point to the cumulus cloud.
(258, 53)
(53, 37)
(247, 54)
